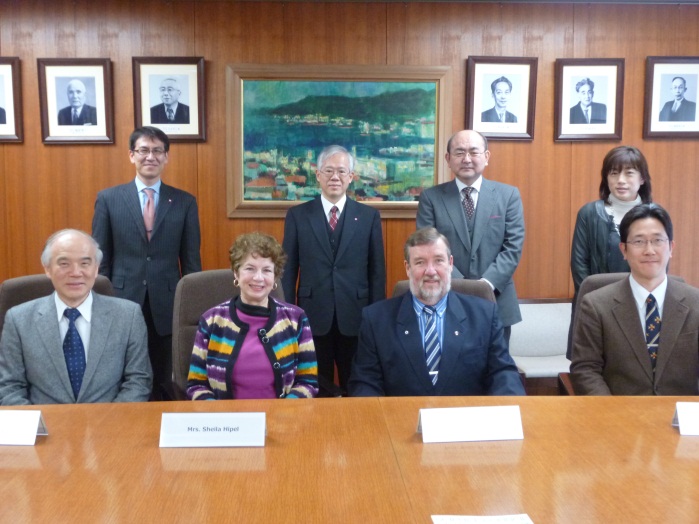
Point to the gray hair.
(46, 253)
(334, 150)
(423, 237)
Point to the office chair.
(477, 288)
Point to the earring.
(235, 282)
(274, 286)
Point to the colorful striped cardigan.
(287, 341)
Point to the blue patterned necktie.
(74, 351)
(433, 351)
(653, 323)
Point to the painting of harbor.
(389, 126)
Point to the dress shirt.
(474, 194)
(173, 107)
(640, 294)
(327, 206)
(143, 197)
(441, 308)
(82, 323)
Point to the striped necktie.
(433, 351)
(652, 329)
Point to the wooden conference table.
(358, 461)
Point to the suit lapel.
(675, 313)
(133, 205)
(47, 326)
(165, 203)
(99, 328)
(484, 209)
(626, 315)
(453, 207)
(454, 338)
(350, 225)
(408, 333)
(316, 220)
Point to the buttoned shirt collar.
(640, 294)
(327, 205)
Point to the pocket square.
(495, 216)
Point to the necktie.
(587, 115)
(502, 117)
(333, 217)
(467, 202)
(675, 106)
(74, 351)
(433, 351)
(170, 115)
(652, 328)
(75, 116)
(149, 211)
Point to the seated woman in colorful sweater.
(253, 346)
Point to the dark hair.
(497, 81)
(642, 211)
(619, 158)
(684, 82)
(422, 237)
(485, 140)
(260, 244)
(150, 132)
(583, 82)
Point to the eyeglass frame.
(144, 152)
(642, 244)
(329, 172)
(461, 154)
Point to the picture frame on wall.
(10, 101)
(589, 99)
(75, 100)
(672, 92)
(501, 96)
(395, 121)
(169, 94)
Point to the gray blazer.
(498, 236)
(33, 368)
(609, 346)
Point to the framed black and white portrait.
(672, 88)
(501, 96)
(169, 94)
(589, 99)
(10, 101)
(75, 100)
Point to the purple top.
(252, 375)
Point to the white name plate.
(470, 424)
(20, 428)
(687, 414)
(212, 430)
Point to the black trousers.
(160, 353)
(333, 349)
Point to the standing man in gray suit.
(74, 345)
(482, 220)
(149, 233)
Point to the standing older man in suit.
(149, 233)
(482, 220)
(74, 345)
(639, 336)
(336, 258)
(432, 341)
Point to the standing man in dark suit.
(149, 233)
(432, 341)
(586, 111)
(501, 89)
(171, 111)
(482, 220)
(639, 336)
(73, 345)
(78, 113)
(679, 109)
(336, 258)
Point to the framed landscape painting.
(392, 119)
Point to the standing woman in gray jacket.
(625, 183)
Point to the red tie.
(149, 211)
(333, 217)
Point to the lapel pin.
(456, 333)
(407, 332)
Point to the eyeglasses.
(459, 153)
(329, 172)
(169, 90)
(144, 151)
(655, 242)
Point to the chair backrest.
(195, 294)
(478, 288)
(16, 291)
(543, 331)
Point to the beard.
(431, 295)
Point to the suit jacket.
(158, 115)
(390, 359)
(685, 113)
(598, 114)
(498, 236)
(88, 116)
(3, 116)
(609, 345)
(356, 276)
(33, 368)
(491, 115)
(135, 265)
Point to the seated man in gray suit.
(432, 341)
(639, 336)
(74, 345)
